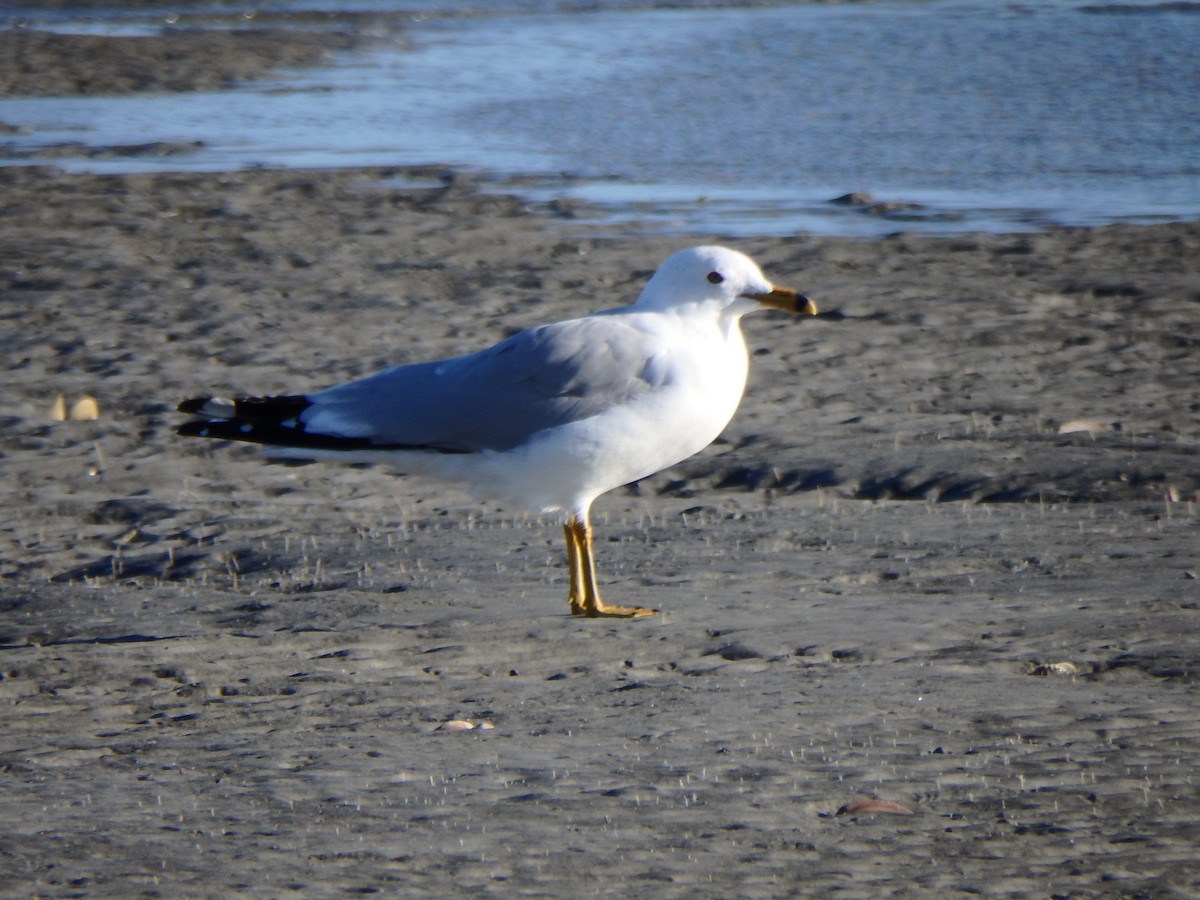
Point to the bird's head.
(717, 275)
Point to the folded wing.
(492, 400)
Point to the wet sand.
(892, 577)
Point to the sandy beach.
(945, 556)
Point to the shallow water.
(958, 115)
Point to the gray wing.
(496, 398)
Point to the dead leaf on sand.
(874, 805)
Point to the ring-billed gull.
(550, 418)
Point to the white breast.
(699, 384)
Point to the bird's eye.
(715, 277)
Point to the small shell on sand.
(86, 409)
(464, 725)
(456, 725)
(874, 805)
(1089, 426)
(58, 409)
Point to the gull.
(549, 418)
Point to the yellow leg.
(583, 594)
(574, 591)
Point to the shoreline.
(181, 58)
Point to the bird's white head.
(724, 278)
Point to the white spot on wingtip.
(218, 408)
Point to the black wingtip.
(195, 428)
(271, 434)
(193, 406)
(240, 430)
(273, 410)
